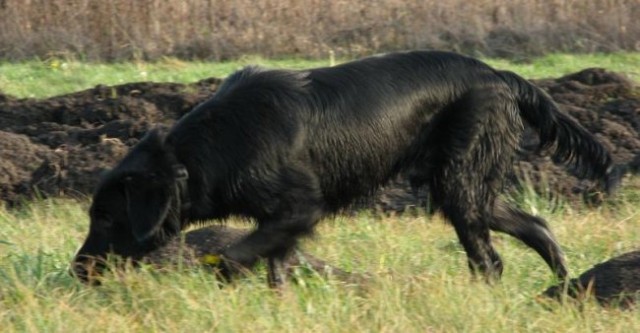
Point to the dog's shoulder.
(254, 80)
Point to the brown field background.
(221, 29)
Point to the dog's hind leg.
(473, 232)
(531, 230)
(465, 194)
(474, 142)
(294, 207)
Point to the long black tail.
(565, 138)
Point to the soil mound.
(613, 282)
(59, 146)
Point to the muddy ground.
(59, 146)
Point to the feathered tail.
(568, 141)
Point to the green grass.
(555, 65)
(419, 283)
(52, 77)
(58, 76)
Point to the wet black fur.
(288, 147)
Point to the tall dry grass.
(219, 29)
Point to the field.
(218, 30)
(420, 281)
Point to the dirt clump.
(614, 282)
(59, 146)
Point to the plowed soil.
(59, 146)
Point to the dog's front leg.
(273, 240)
(297, 209)
(276, 273)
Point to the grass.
(420, 281)
(55, 76)
(40, 79)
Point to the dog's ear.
(147, 208)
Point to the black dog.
(287, 147)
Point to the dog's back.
(355, 125)
(366, 117)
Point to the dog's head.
(137, 206)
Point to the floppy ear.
(147, 207)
